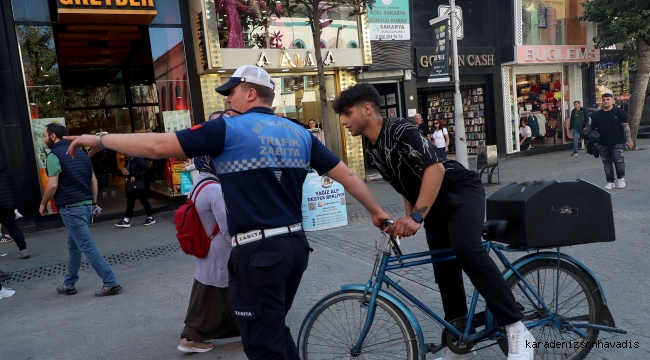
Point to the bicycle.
(367, 322)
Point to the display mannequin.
(534, 23)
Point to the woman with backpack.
(209, 315)
(137, 188)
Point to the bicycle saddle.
(495, 229)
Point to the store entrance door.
(108, 83)
(540, 103)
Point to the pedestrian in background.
(525, 134)
(209, 314)
(578, 125)
(5, 292)
(74, 187)
(137, 188)
(316, 131)
(440, 139)
(8, 210)
(422, 126)
(614, 129)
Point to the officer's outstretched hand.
(405, 226)
(378, 219)
(82, 141)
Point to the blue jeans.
(76, 220)
(442, 153)
(576, 135)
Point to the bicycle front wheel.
(332, 328)
(578, 301)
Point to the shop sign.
(438, 63)
(425, 61)
(286, 61)
(200, 36)
(544, 54)
(468, 58)
(623, 97)
(390, 20)
(323, 203)
(136, 12)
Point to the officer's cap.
(249, 74)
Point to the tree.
(625, 21)
(314, 10)
(41, 71)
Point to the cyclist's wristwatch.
(417, 218)
(99, 139)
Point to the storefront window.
(262, 30)
(168, 12)
(540, 102)
(171, 94)
(43, 85)
(31, 10)
(41, 71)
(172, 86)
(297, 97)
(552, 23)
(613, 78)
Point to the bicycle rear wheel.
(332, 327)
(579, 302)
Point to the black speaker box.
(553, 213)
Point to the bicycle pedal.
(433, 348)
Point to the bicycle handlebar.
(394, 243)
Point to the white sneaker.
(5, 293)
(520, 346)
(450, 355)
(609, 186)
(620, 183)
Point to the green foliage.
(619, 21)
(41, 71)
(310, 8)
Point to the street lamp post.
(460, 141)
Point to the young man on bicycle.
(448, 199)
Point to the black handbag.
(137, 185)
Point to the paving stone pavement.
(145, 321)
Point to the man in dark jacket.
(74, 187)
(137, 188)
(614, 129)
(578, 124)
(7, 207)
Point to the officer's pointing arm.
(150, 145)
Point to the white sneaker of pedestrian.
(5, 293)
(520, 346)
(450, 355)
(609, 186)
(620, 183)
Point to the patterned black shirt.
(401, 154)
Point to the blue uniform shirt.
(262, 161)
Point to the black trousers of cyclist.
(264, 279)
(456, 221)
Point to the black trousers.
(8, 220)
(130, 204)
(457, 223)
(264, 279)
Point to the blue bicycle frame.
(388, 263)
